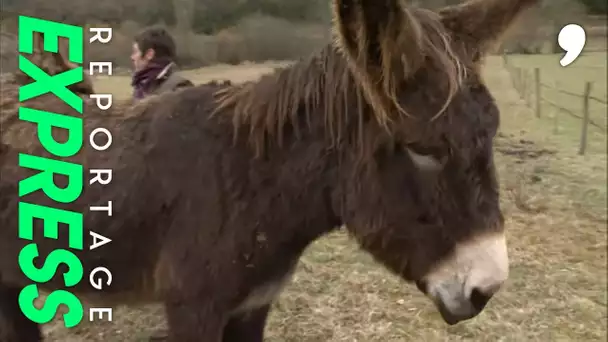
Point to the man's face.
(140, 60)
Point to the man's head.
(152, 43)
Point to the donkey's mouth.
(452, 317)
(452, 311)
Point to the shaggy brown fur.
(203, 225)
(53, 64)
(372, 81)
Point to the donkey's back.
(132, 193)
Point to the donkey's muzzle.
(455, 310)
(462, 284)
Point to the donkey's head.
(53, 64)
(427, 205)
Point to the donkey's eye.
(424, 150)
(435, 152)
(426, 159)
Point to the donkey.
(52, 64)
(218, 189)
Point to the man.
(154, 63)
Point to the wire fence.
(528, 84)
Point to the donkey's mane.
(276, 99)
(336, 81)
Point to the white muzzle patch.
(463, 283)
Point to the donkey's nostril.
(479, 299)
(422, 286)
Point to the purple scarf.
(143, 80)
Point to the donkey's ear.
(52, 63)
(38, 43)
(62, 63)
(480, 24)
(383, 43)
(60, 58)
(38, 52)
(56, 63)
(369, 33)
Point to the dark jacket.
(168, 80)
(157, 79)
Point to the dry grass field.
(555, 205)
(589, 67)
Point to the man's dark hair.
(157, 39)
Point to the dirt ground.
(555, 205)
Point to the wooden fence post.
(585, 126)
(537, 91)
(528, 89)
(524, 84)
(557, 111)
